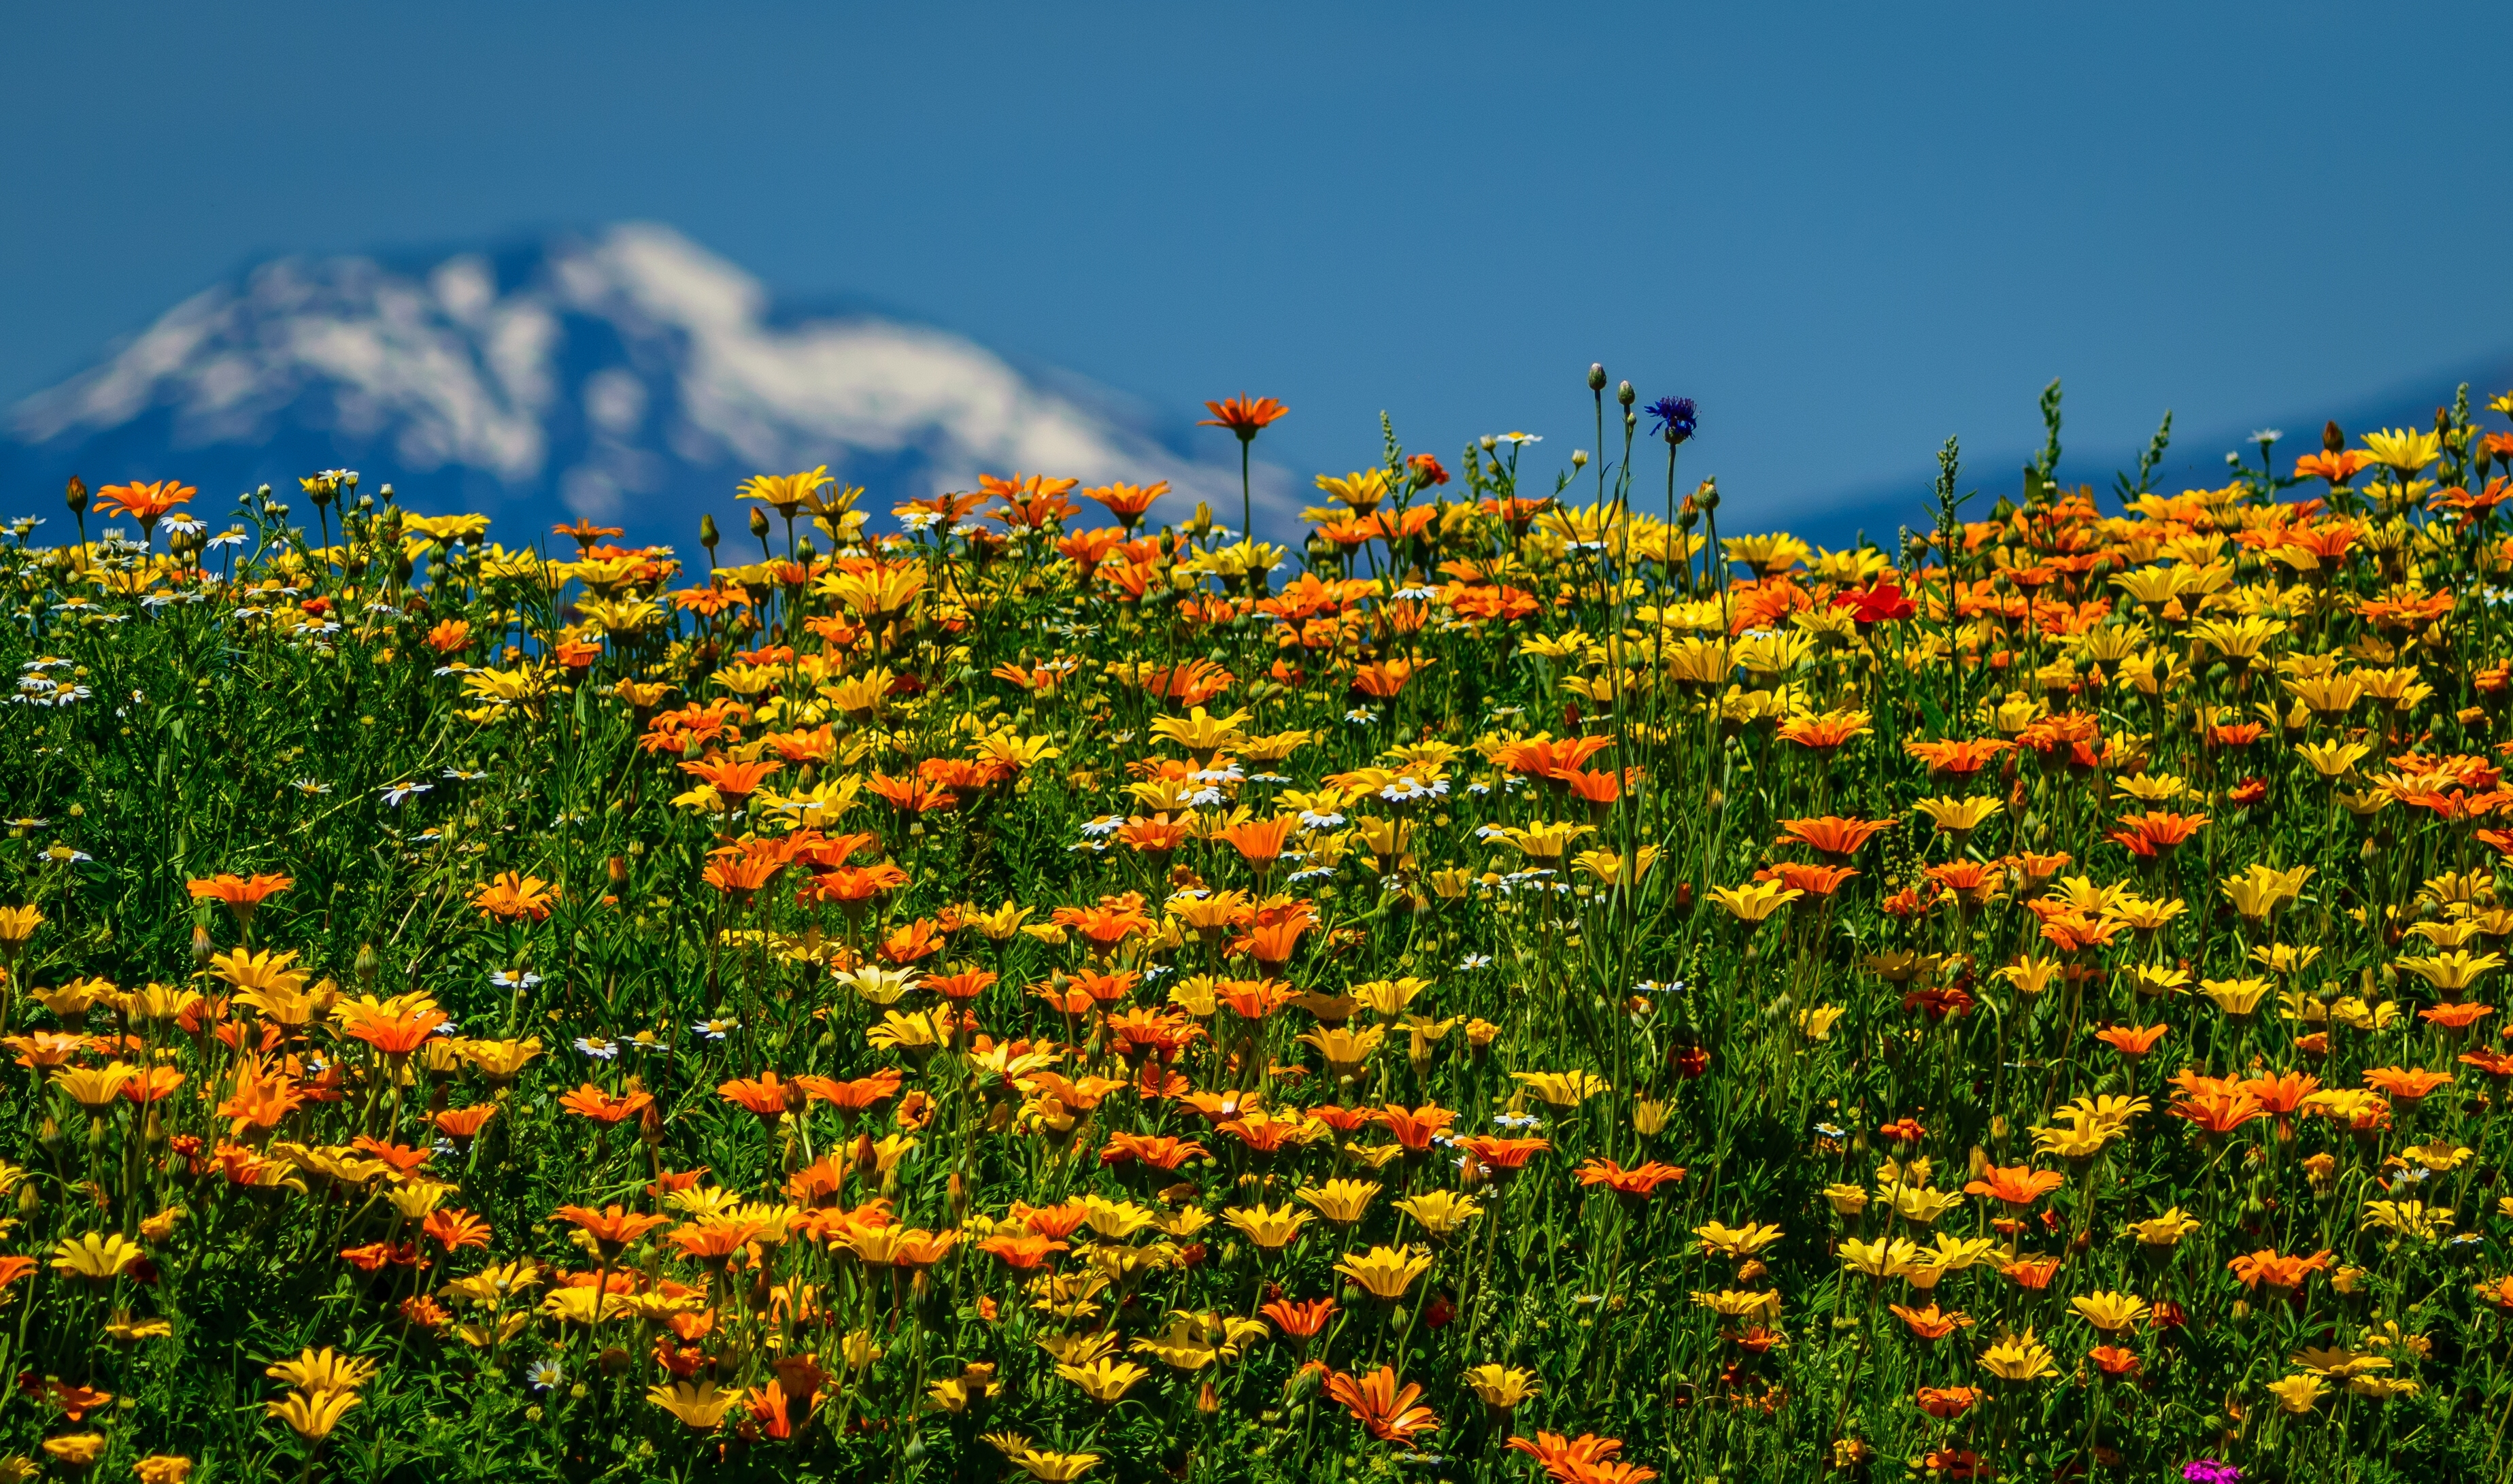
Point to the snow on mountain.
(627, 375)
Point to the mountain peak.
(624, 375)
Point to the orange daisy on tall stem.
(1247, 417)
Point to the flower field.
(1038, 984)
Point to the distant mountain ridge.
(623, 375)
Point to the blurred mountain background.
(624, 375)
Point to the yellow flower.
(1053, 1467)
(324, 1369)
(1958, 817)
(1919, 1203)
(2404, 452)
(1543, 842)
(2166, 1230)
(312, 1418)
(1105, 1380)
(1563, 1089)
(2454, 971)
(1385, 1271)
(2235, 996)
(78, 1450)
(162, 1469)
(1739, 1304)
(2414, 1220)
(94, 1088)
(1848, 1200)
(2332, 760)
(2019, 1357)
(700, 1407)
(1345, 1049)
(2110, 1311)
(1755, 901)
(1341, 1201)
(2297, 1394)
(1737, 1242)
(1268, 1228)
(1440, 1211)
(97, 1256)
(1880, 1258)
(1817, 1022)
(1501, 1387)
(2261, 890)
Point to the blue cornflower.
(1675, 417)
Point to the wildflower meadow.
(1547, 977)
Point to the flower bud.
(1597, 375)
(2331, 439)
(1578, 457)
(707, 533)
(758, 522)
(1625, 395)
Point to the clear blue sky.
(1847, 230)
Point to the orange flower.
(1243, 415)
(1930, 1323)
(260, 1098)
(1813, 880)
(2034, 1274)
(1273, 931)
(2338, 467)
(1415, 1128)
(454, 1229)
(1161, 1151)
(2016, 1185)
(146, 503)
(394, 1032)
(1544, 757)
(1022, 1253)
(2113, 1360)
(2459, 1016)
(1946, 1403)
(611, 1226)
(2132, 1041)
(1128, 502)
(241, 894)
(1384, 1407)
(2156, 831)
(1972, 881)
(2284, 1093)
(2494, 1064)
(1823, 733)
(461, 1124)
(1385, 679)
(2285, 1275)
(852, 885)
(1158, 835)
(1834, 836)
(1959, 758)
(1584, 1459)
(909, 796)
(2217, 1109)
(732, 781)
(155, 1085)
(1641, 1181)
(605, 1108)
(513, 898)
(911, 942)
(1107, 925)
(2407, 1084)
(1259, 842)
(764, 1095)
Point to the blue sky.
(1847, 231)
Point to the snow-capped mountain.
(625, 376)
